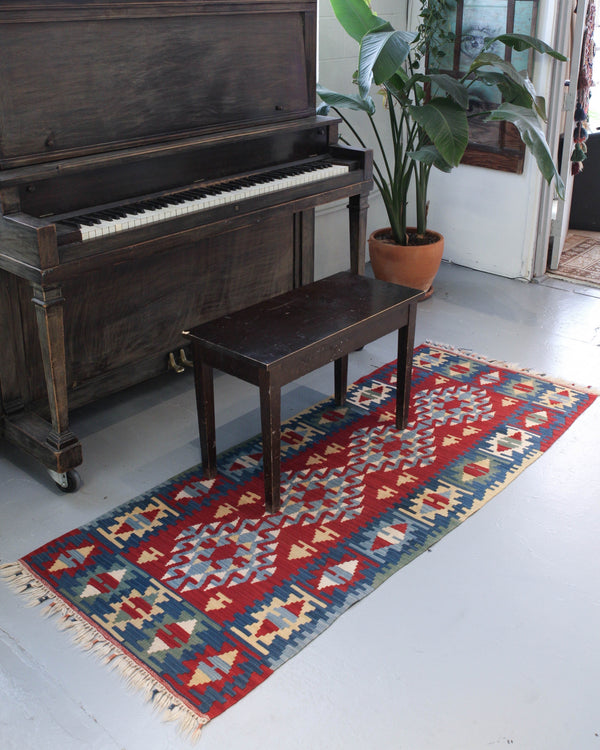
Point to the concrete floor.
(491, 639)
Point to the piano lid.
(80, 78)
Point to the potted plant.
(427, 120)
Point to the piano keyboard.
(122, 218)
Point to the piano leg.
(357, 213)
(52, 444)
(11, 386)
(61, 450)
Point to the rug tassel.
(88, 639)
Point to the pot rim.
(439, 235)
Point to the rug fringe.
(86, 636)
(513, 366)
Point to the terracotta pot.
(410, 265)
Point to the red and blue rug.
(199, 596)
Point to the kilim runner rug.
(198, 595)
(580, 259)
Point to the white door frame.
(553, 221)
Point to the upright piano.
(160, 164)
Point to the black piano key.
(152, 204)
(108, 214)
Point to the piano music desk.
(276, 341)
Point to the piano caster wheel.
(68, 481)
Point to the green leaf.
(392, 55)
(333, 99)
(382, 53)
(397, 86)
(518, 80)
(484, 59)
(448, 84)
(533, 137)
(445, 122)
(430, 155)
(356, 17)
(521, 42)
(512, 92)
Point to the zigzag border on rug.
(86, 636)
(513, 367)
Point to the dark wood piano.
(160, 163)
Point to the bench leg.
(205, 404)
(406, 340)
(270, 417)
(341, 379)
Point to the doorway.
(574, 243)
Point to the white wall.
(337, 56)
(489, 218)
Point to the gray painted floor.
(491, 639)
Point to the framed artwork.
(495, 145)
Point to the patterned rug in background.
(580, 258)
(198, 595)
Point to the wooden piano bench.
(276, 341)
